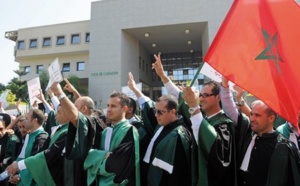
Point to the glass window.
(170, 72)
(47, 41)
(21, 44)
(60, 40)
(185, 72)
(87, 37)
(33, 43)
(66, 67)
(80, 66)
(27, 69)
(39, 69)
(75, 39)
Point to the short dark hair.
(123, 97)
(215, 87)
(172, 103)
(39, 115)
(132, 104)
(98, 112)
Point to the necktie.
(108, 138)
(150, 146)
(247, 156)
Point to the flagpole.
(191, 84)
(196, 75)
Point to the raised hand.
(190, 96)
(157, 65)
(41, 96)
(69, 87)
(131, 83)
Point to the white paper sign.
(126, 90)
(54, 73)
(34, 87)
(3, 99)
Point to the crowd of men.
(187, 137)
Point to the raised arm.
(241, 102)
(228, 104)
(191, 98)
(53, 98)
(41, 97)
(159, 69)
(69, 87)
(132, 85)
(67, 106)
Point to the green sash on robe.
(26, 178)
(164, 154)
(40, 173)
(95, 161)
(284, 130)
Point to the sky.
(17, 14)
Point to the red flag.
(257, 47)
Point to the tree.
(44, 79)
(19, 88)
(2, 87)
(21, 72)
(10, 98)
(75, 81)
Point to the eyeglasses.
(159, 112)
(205, 95)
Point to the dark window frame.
(66, 67)
(21, 44)
(78, 67)
(45, 39)
(38, 71)
(58, 40)
(73, 41)
(31, 43)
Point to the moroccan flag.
(257, 48)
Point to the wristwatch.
(194, 109)
(241, 103)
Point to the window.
(21, 44)
(33, 43)
(27, 69)
(39, 69)
(80, 66)
(75, 39)
(66, 67)
(170, 72)
(185, 72)
(87, 37)
(47, 41)
(60, 40)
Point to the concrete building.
(124, 35)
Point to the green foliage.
(44, 79)
(20, 72)
(19, 88)
(11, 97)
(2, 87)
(75, 81)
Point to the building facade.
(122, 37)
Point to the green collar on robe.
(26, 178)
(95, 158)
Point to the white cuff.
(21, 165)
(172, 89)
(143, 99)
(196, 122)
